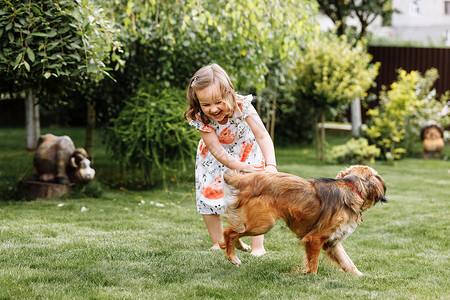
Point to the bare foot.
(258, 252)
(215, 247)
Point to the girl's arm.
(215, 147)
(263, 138)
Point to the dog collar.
(356, 189)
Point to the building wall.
(422, 20)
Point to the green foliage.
(355, 151)
(151, 135)
(331, 73)
(295, 120)
(49, 45)
(165, 42)
(366, 12)
(409, 104)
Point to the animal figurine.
(432, 137)
(56, 160)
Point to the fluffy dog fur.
(321, 212)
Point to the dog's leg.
(240, 245)
(337, 254)
(229, 243)
(313, 245)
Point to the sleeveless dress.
(238, 140)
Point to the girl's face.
(212, 104)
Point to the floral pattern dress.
(238, 140)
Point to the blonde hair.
(203, 78)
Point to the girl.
(233, 137)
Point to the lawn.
(152, 244)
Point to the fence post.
(356, 117)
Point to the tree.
(329, 75)
(404, 109)
(365, 11)
(50, 47)
(165, 42)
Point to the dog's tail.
(230, 186)
(231, 190)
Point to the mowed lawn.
(152, 244)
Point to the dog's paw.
(222, 244)
(307, 270)
(242, 246)
(357, 273)
(353, 271)
(235, 261)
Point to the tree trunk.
(32, 121)
(267, 119)
(323, 137)
(316, 135)
(273, 115)
(258, 103)
(90, 130)
(356, 118)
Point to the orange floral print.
(207, 128)
(246, 149)
(226, 137)
(240, 106)
(203, 149)
(214, 190)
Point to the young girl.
(233, 137)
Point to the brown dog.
(321, 212)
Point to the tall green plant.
(49, 47)
(409, 104)
(165, 42)
(330, 74)
(151, 135)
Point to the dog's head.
(369, 183)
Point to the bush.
(355, 151)
(329, 76)
(404, 109)
(151, 137)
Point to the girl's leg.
(258, 245)
(215, 229)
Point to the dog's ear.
(356, 170)
(343, 173)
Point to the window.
(447, 37)
(414, 8)
(447, 7)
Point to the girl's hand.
(271, 168)
(252, 168)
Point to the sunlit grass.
(152, 244)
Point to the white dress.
(238, 140)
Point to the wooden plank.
(39, 189)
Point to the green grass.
(152, 244)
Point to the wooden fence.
(409, 59)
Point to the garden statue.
(56, 160)
(432, 136)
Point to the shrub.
(330, 75)
(409, 104)
(151, 136)
(355, 151)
